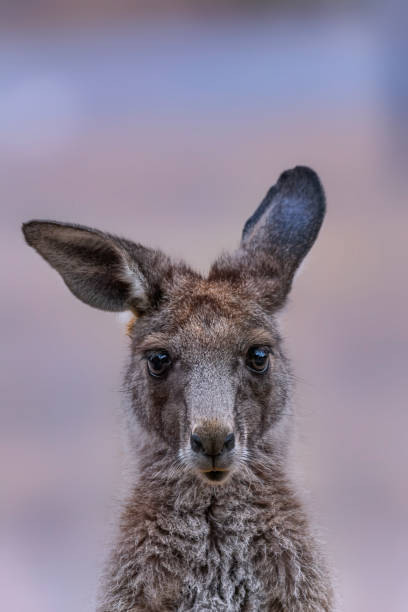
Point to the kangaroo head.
(207, 376)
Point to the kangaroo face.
(207, 376)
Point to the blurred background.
(166, 123)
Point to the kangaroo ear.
(285, 225)
(100, 269)
(277, 237)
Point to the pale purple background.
(169, 129)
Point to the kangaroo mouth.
(216, 475)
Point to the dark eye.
(158, 363)
(257, 359)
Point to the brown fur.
(129, 325)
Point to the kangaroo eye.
(257, 359)
(158, 363)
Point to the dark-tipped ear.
(277, 237)
(286, 223)
(100, 269)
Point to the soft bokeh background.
(167, 122)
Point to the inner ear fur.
(277, 237)
(102, 270)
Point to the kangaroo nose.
(211, 443)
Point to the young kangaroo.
(212, 521)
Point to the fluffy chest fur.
(233, 549)
(213, 557)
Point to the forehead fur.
(207, 312)
(211, 297)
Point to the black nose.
(211, 443)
